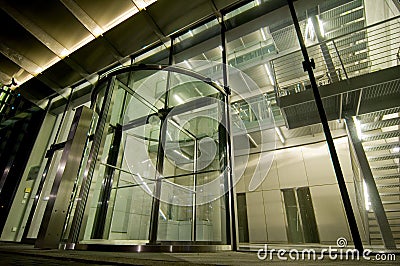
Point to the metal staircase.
(381, 141)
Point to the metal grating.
(343, 20)
(381, 147)
(384, 168)
(384, 157)
(389, 185)
(381, 124)
(382, 135)
(337, 11)
(351, 39)
(370, 117)
(382, 89)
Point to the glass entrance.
(160, 173)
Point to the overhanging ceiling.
(48, 46)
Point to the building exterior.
(210, 138)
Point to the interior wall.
(299, 166)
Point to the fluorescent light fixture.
(97, 31)
(321, 27)
(187, 64)
(271, 78)
(252, 140)
(220, 47)
(163, 215)
(258, 2)
(366, 197)
(37, 71)
(124, 16)
(310, 29)
(64, 53)
(396, 149)
(358, 128)
(191, 33)
(280, 135)
(263, 34)
(178, 99)
(181, 154)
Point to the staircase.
(381, 141)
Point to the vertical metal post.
(195, 157)
(52, 225)
(155, 207)
(308, 66)
(340, 59)
(226, 145)
(106, 186)
(376, 202)
(98, 140)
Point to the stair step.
(389, 156)
(391, 217)
(380, 147)
(392, 210)
(385, 202)
(385, 167)
(389, 176)
(395, 217)
(388, 185)
(390, 224)
(394, 230)
(380, 124)
(381, 135)
(387, 194)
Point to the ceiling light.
(263, 34)
(178, 99)
(271, 78)
(64, 53)
(220, 47)
(97, 31)
(252, 140)
(310, 29)
(187, 64)
(280, 135)
(366, 197)
(358, 128)
(321, 27)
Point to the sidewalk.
(22, 254)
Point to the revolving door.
(157, 171)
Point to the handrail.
(340, 36)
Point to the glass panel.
(307, 215)
(295, 230)
(243, 229)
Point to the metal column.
(162, 114)
(55, 214)
(225, 144)
(376, 201)
(308, 66)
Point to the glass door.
(164, 177)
